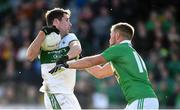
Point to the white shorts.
(143, 104)
(61, 101)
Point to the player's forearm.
(83, 63)
(95, 71)
(32, 52)
(101, 71)
(34, 48)
(80, 64)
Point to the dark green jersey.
(131, 71)
(53, 56)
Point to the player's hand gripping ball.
(51, 41)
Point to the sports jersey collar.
(125, 41)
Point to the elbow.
(100, 76)
(79, 50)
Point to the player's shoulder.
(126, 47)
(48, 29)
(70, 36)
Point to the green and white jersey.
(60, 82)
(130, 72)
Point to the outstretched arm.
(87, 62)
(83, 63)
(101, 71)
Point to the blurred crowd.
(157, 39)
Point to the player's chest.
(63, 43)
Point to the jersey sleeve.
(71, 37)
(111, 53)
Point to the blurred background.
(157, 39)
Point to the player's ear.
(56, 20)
(117, 35)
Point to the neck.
(126, 41)
(63, 34)
(119, 40)
(123, 39)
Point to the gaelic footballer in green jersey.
(130, 69)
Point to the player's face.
(112, 40)
(65, 24)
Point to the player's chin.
(67, 31)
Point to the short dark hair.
(124, 29)
(55, 13)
